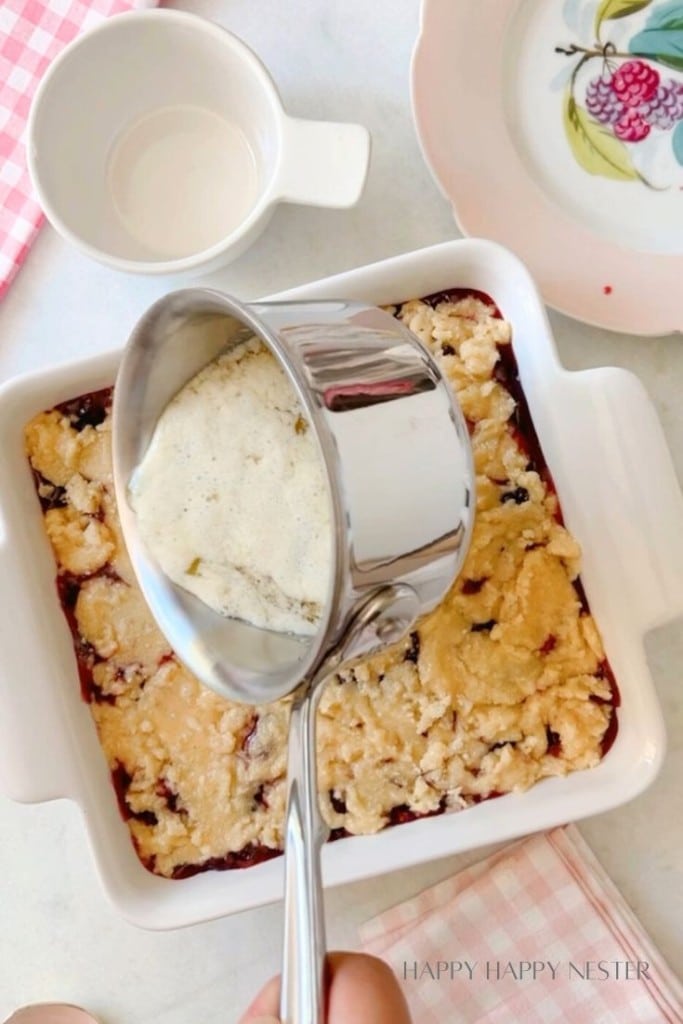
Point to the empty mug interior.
(155, 137)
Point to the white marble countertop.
(60, 940)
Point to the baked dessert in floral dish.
(504, 684)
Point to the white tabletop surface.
(59, 939)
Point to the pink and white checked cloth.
(32, 33)
(544, 900)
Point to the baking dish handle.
(651, 499)
(34, 759)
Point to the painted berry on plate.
(630, 96)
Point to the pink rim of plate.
(457, 87)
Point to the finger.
(364, 990)
(265, 1005)
(361, 989)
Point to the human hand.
(361, 990)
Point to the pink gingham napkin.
(32, 33)
(543, 901)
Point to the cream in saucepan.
(232, 498)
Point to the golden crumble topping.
(505, 683)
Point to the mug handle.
(323, 163)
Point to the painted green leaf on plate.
(610, 9)
(662, 38)
(677, 142)
(596, 149)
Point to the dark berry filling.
(249, 732)
(122, 780)
(169, 797)
(521, 423)
(337, 833)
(260, 799)
(51, 495)
(519, 496)
(413, 651)
(479, 798)
(253, 853)
(548, 645)
(554, 741)
(581, 594)
(402, 814)
(470, 587)
(338, 804)
(605, 672)
(87, 410)
(458, 294)
(483, 627)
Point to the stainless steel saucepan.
(401, 489)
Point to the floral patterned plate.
(556, 128)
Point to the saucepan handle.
(302, 993)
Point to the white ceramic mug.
(157, 143)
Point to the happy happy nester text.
(525, 970)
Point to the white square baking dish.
(620, 498)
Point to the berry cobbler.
(504, 684)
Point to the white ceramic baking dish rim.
(619, 493)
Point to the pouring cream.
(231, 496)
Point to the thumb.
(264, 1008)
